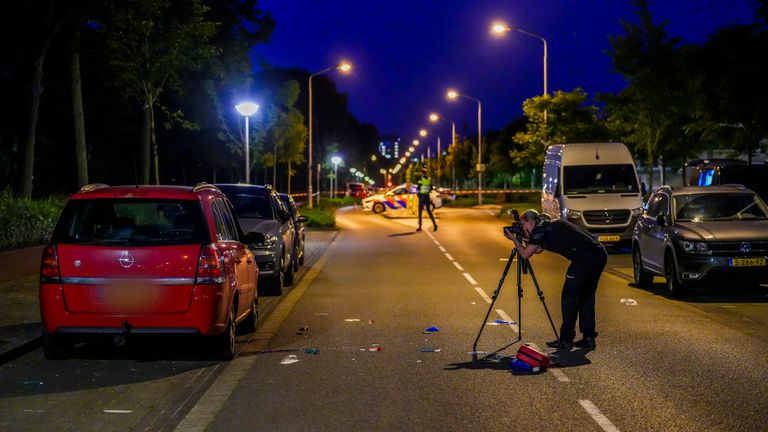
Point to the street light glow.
(410, 149)
(452, 94)
(423, 132)
(335, 160)
(344, 67)
(499, 28)
(416, 142)
(247, 109)
(434, 117)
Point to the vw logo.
(745, 247)
(126, 259)
(607, 218)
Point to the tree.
(569, 120)
(148, 43)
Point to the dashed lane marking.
(450, 258)
(599, 417)
(483, 295)
(470, 279)
(458, 266)
(442, 249)
(560, 375)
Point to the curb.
(20, 350)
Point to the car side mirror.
(254, 237)
(661, 219)
(302, 219)
(284, 216)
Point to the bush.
(27, 222)
(324, 215)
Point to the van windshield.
(132, 221)
(593, 179)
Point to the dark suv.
(298, 225)
(698, 234)
(260, 210)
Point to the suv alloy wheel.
(642, 277)
(674, 286)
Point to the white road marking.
(491, 213)
(515, 328)
(458, 266)
(599, 417)
(560, 375)
(442, 249)
(447, 255)
(115, 411)
(469, 278)
(483, 295)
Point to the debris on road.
(374, 347)
(291, 358)
(501, 322)
(429, 349)
(432, 329)
(312, 350)
(302, 331)
(628, 301)
(33, 383)
(370, 322)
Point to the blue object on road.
(521, 366)
(432, 329)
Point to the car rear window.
(133, 221)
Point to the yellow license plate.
(608, 238)
(747, 262)
(127, 296)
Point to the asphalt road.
(660, 364)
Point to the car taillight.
(210, 266)
(49, 267)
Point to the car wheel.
(249, 324)
(378, 208)
(288, 278)
(674, 286)
(55, 348)
(224, 344)
(277, 285)
(642, 277)
(296, 262)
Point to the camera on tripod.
(516, 228)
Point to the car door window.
(663, 207)
(225, 229)
(652, 208)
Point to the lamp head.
(434, 117)
(344, 67)
(423, 132)
(335, 160)
(452, 94)
(498, 28)
(247, 109)
(415, 142)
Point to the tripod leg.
(493, 301)
(541, 297)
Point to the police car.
(397, 200)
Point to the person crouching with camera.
(587, 257)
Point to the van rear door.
(129, 255)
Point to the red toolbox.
(532, 355)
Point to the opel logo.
(745, 247)
(126, 259)
(607, 218)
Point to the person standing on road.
(588, 258)
(425, 187)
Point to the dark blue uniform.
(588, 259)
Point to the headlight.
(571, 213)
(269, 241)
(694, 247)
(637, 212)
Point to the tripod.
(523, 267)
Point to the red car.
(157, 260)
(357, 190)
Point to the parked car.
(357, 190)
(594, 186)
(298, 225)
(138, 260)
(260, 210)
(697, 234)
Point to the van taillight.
(49, 268)
(210, 267)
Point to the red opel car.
(147, 260)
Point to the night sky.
(406, 53)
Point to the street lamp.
(453, 95)
(247, 109)
(335, 160)
(499, 28)
(434, 118)
(343, 67)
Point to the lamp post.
(247, 109)
(434, 118)
(335, 160)
(343, 67)
(453, 95)
(499, 28)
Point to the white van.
(594, 186)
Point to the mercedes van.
(594, 186)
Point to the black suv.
(260, 210)
(298, 225)
(698, 234)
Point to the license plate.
(747, 262)
(129, 296)
(608, 238)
